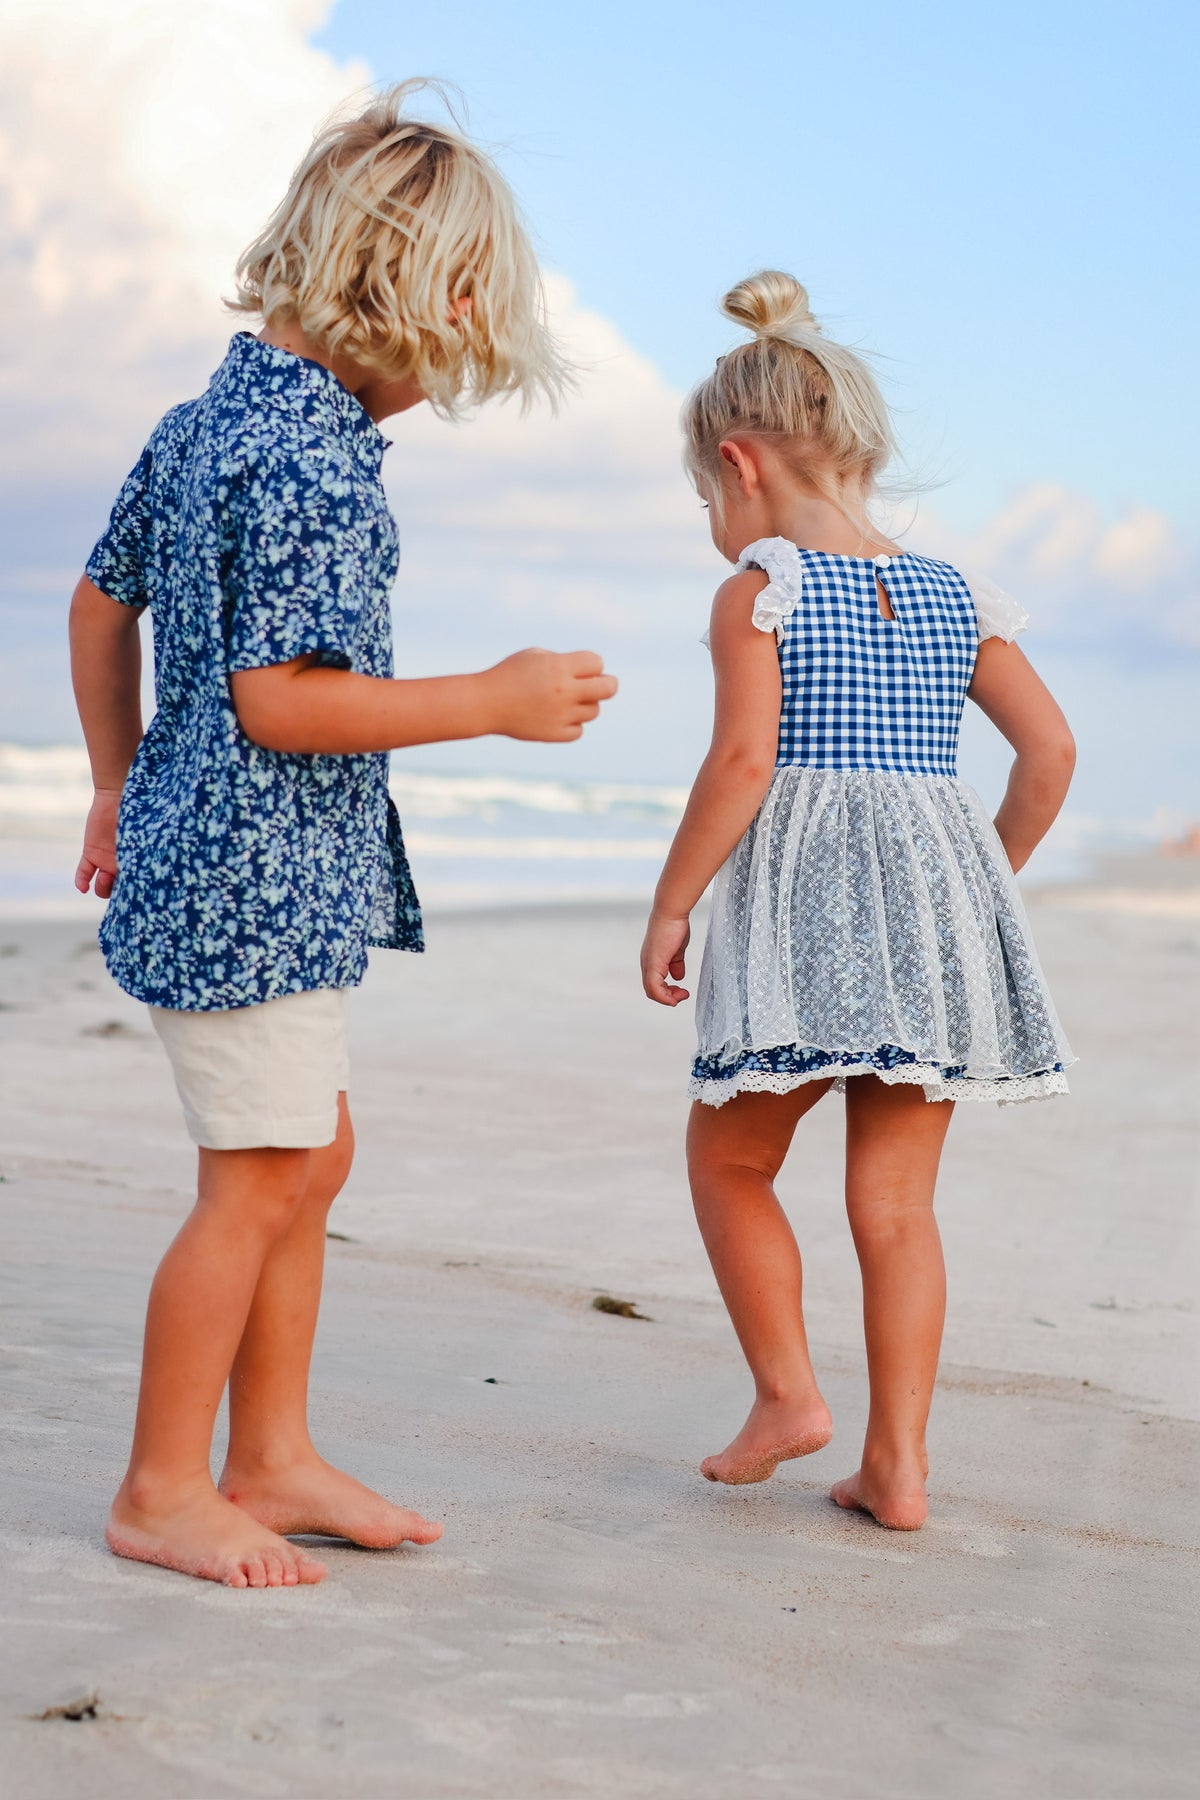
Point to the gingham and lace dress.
(868, 922)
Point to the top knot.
(772, 305)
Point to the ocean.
(474, 840)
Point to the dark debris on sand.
(622, 1309)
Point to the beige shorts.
(260, 1077)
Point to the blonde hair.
(816, 399)
(388, 226)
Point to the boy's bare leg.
(167, 1510)
(272, 1470)
(734, 1154)
(894, 1139)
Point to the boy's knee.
(330, 1168)
(265, 1189)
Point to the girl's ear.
(741, 464)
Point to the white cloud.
(1128, 582)
(141, 145)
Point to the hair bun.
(770, 304)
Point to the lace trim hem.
(1004, 1090)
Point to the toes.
(273, 1564)
(256, 1574)
(424, 1531)
(309, 1570)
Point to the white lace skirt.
(870, 924)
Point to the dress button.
(883, 562)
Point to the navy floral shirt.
(255, 528)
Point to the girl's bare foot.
(309, 1495)
(776, 1431)
(201, 1534)
(895, 1499)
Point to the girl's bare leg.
(167, 1510)
(734, 1155)
(272, 1470)
(894, 1139)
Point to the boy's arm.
(106, 672)
(301, 706)
(1022, 708)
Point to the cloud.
(1128, 584)
(141, 146)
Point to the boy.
(257, 853)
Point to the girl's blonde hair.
(388, 227)
(817, 400)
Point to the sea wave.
(49, 789)
(477, 833)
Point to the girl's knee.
(887, 1216)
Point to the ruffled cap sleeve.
(780, 562)
(999, 615)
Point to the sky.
(995, 202)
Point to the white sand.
(598, 1619)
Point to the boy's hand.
(99, 857)
(547, 696)
(662, 956)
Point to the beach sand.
(598, 1619)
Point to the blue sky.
(999, 202)
(999, 199)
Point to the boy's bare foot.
(309, 1495)
(201, 1534)
(896, 1501)
(776, 1431)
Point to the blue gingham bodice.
(861, 691)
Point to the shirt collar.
(280, 377)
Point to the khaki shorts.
(260, 1077)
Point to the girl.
(257, 853)
(866, 931)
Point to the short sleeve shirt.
(255, 528)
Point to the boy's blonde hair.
(817, 400)
(388, 227)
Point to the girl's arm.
(106, 671)
(733, 778)
(1023, 710)
(542, 695)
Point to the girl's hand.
(99, 857)
(662, 956)
(548, 696)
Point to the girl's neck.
(817, 522)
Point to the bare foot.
(309, 1495)
(776, 1431)
(203, 1535)
(896, 1500)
